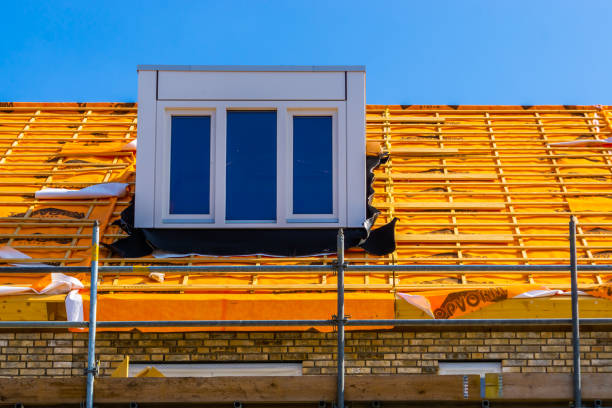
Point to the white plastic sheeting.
(103, 190)
(7, 252)
(56, 284)
(418, 301)
(74, 306)
(422, 303)
(584, 142)
(129, 147)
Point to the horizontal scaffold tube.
(301, 268)
(42, 325)
(476, 322)
(215, 323)
(416, 323)
(475, 268)
(169, 268)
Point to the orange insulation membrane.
(471, 185)
(138, 306)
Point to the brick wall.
(385, 352)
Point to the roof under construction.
(470, 185)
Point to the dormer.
(251, 147)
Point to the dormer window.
(251, 147)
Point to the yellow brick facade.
(59, 354)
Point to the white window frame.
(163, 171)
(211, 91)
(333, 218)
(217, 110)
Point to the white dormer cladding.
(251, 147)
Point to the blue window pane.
(313, 162)
(190, 165)
(251, 166)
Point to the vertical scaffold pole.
(575, 315)
(340, 318)
(93, 302)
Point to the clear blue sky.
(416, 52)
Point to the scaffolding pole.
(575, 315)
(340, 318)
(92, 369)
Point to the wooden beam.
(425, 151)
(69, 106)
(455, 238)
(416, 206)
(525, 387)
(408, 119)
(416, 387)
(32, 307)
(244, 389)
(551, 387)
(21, 311)
(163, 287)
(477, 133)
(440, 176)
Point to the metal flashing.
(254, 68)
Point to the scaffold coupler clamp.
(95, 370)
(334, 321)
(336, 265)
(344, 320)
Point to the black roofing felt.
(275, 242)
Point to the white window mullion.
(220, 163)
(282, 177)
(342, 156)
